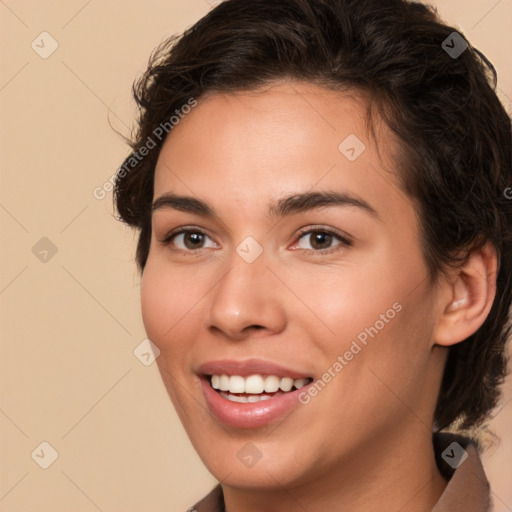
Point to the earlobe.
(468, 297)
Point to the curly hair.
(455, 157)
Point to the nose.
(247, 302)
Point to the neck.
(388, 474)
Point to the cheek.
(380, 304)
(345, 301)
(170, 300)
(386, 350)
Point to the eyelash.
(345, 240)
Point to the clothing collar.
(458, 461)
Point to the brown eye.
(187, 240)
(193, 240)
(321, 239)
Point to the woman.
(325, 249)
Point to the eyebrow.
(286, 206)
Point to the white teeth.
(224, 382)
(245, 399)
(300, 383)
(255, 384)
(286, 384)
(236, 384)
(235, 398)
(271, 384)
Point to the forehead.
(250, 147)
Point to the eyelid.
(345, 239)
(326, 229)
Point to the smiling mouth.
(254, 388)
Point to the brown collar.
(467, 489)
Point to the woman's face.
(300, 259)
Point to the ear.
(467, 297)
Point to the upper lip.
(248, 367)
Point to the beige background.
(69, 325)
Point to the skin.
(365, 440)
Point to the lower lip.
(251, 414)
